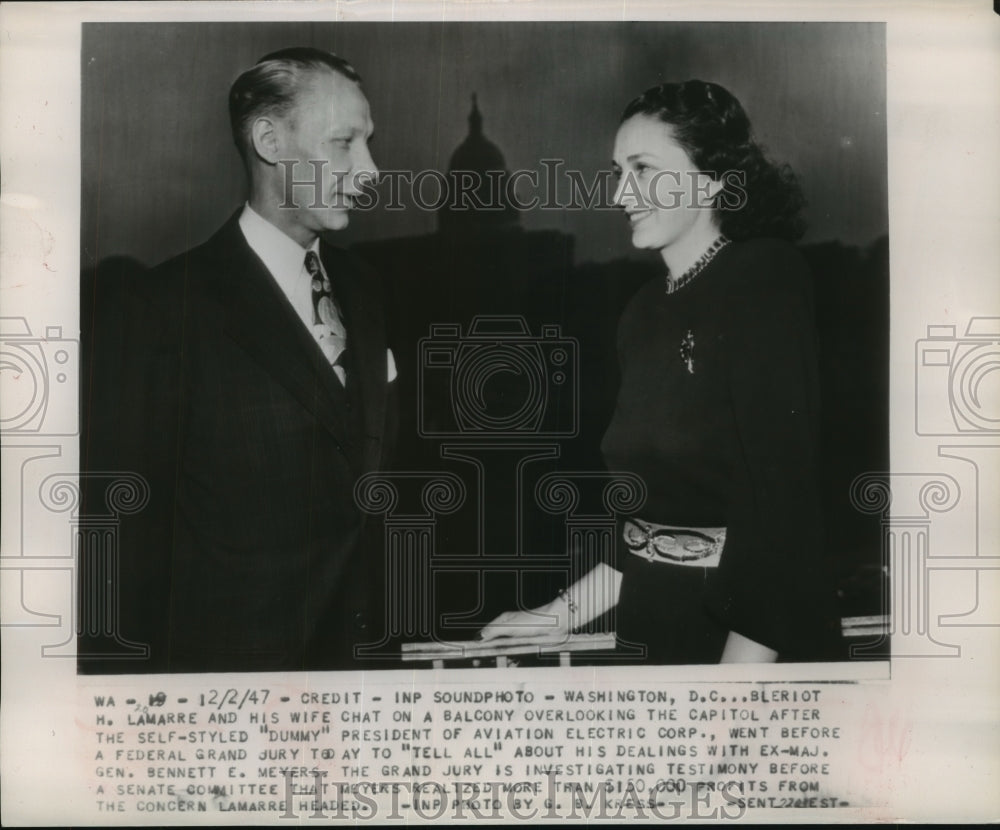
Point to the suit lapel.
(260, 318)
(365, 341)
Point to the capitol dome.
(477, 178)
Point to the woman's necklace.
(699, 266)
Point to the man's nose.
(365, 169)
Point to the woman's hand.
(586, 599)
(740, 649)
(551, 620)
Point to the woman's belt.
(697, 546)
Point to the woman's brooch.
(687, 351)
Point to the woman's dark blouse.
(732, 444)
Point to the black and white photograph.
(650, 289)
(469, 412)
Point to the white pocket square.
(390, 365)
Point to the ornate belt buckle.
(672, 544)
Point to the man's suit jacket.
(251, 554)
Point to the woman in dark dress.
(718, 409)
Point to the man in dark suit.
(248, 382)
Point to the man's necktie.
(328, 326)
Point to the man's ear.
(265, 138)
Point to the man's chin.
(336, 219)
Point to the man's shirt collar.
(279, 252)
(283, 257)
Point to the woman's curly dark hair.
(759, 198)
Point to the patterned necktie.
(328, 327)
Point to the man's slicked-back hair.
(270, 87)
